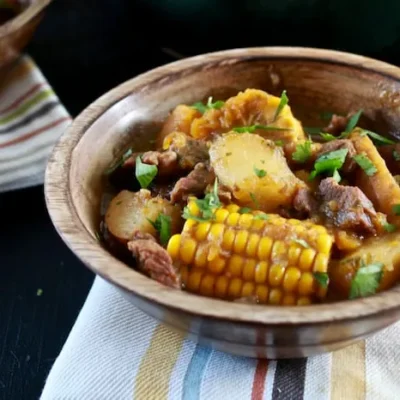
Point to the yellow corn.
(232, 256)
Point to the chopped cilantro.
(303, 152)
(322, 278)
(378, 139)
(366, 280)
(199, 106)
(365, 163)
(389, 227)
(263, 217)
(353, 121)
(253, 128)
(327, 136)
(284, 100)
(124, 157)
(163, 225)
(279, 143)
(244, 210)
(336, 176)
(312, 130)
(145, 173)
(302, 243)
(396, 209)
(260, 172)
(329, 162)
(255, 201)
(396, 155)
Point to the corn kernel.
(213, 252)
(232, 208)
(321, 262)
(245, 221)
(202, 230)
(248, 289)
(173, 246)
(217, 265)
(278, 250)
(299, 229)
(187, 250)
(240, 241)
(216, 232)
(264, 248)
(289, 300)
(235, 287)
(291, 279)
(294, 221)
(321, 230)
(261, 272)
(248, 269)
(257, 225)
(262, 294)
(200, 258)
(221, 215)
(275, 275)
(194, 280)
(207, 285)
(232, 219)
(221, 286)
(275, 296)
(228, 239)
(252, 245)
(306, 284)
(324, 243)
(235, 265)
(193, 208)
(189, 224)
(303, 301)
(294, 254)
(306, 259)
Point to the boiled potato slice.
(251, 107)
(237, 160)
(129, 212)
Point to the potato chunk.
(129, 212)
(250, 107)
(237, 160)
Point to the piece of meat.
(191, 153)
(337, 124)
(305, 203)
(334, 145)
(194, 184)
(347, 208)
(166, 161)
(153, 260)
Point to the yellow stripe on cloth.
(153, 377)
(348, 373)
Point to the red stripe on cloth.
(257, 391)
(34, 133)
(20, 99)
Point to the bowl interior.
(316, 81)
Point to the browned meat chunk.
(167, 161)
(191, 153)
(194, 184)
(153, 260)
(334, 145)
(391, 154)
(346, 207)
(305, 203)
(337, 124)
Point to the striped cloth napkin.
(116, 352)
(31, 120)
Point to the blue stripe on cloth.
(194, 373)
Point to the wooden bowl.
(314, 79)
(17, 32)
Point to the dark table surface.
(85, 48)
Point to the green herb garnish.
(322, 278)
(327, 136)
(263, 217)
(199, 106)
(302, 243)
(260, 172)
(255, 201)
(378, 139)
(312, 130)
(329, 162)
(253, 128)
(366, 280)
(353, 121)
(390, 227)
(123, 158)
(244, 210)
(284, 100)
(396, 155)
(162, 224)
(365, 163)
(396, 209)
(303, 152)
(145, 173)
(336, 176)
(279, 143)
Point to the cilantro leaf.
(390, 227)
(163, 225)
(302, 243)
(366, 280)
(260, 172)
(263, 217)
(396, 155)
(322, 278)
(378, 139)
(199, 106)
(312, 130)
(365, 163)
(336, 176)
(244, 210)
(353, 121)
(254, 199)
(253, 128)
(120, 162)
(396, 209)
(303, 152)
(329, 162)
(145, 173)
(284, 100)
(327, 136)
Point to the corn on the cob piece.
(233, 256)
